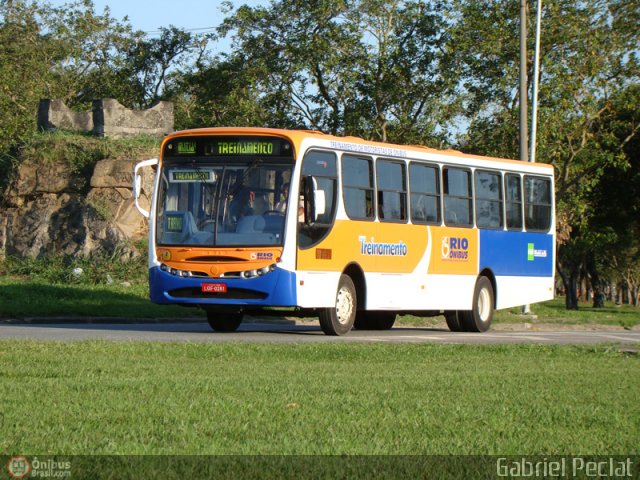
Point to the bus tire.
(339, 319)
(224, 321)
(480, 317)
(453, 321)
(375, 320)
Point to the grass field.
(142, 398)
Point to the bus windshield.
(239, 202)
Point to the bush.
(65, 269)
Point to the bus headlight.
(175, 271)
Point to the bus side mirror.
(315, 200)
(137, 183)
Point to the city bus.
(355, 232)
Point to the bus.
(355, 232)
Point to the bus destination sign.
(229, 146)
(197, 175)
(245, 148)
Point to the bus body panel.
(516, 291)
(517, 253)
(418, 291)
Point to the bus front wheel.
(339, 320)
(224, 321)
(480, 317)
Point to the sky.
(199, 16)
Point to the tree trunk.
(572, 291)
(596, 283)
(570, 282)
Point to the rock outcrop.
(50, 209)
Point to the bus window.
(513, 190)
(458, 208)
(488, 195)
(357, 187)
(392, 191)
(537, 207)
(320, 169)
(425, 193)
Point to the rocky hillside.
(71, 195)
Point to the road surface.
(302, 333)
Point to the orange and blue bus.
(352, 231)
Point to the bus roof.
(297, 137)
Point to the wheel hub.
(344, 305)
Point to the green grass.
(263, 399)
(39, 299)
(79, 150)
(555, 311)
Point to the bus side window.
(392, 191)
(357, 187)
(322, 168)
(513, 192)
(458, 205)
(537, 203)
(424, 182)
(488, 195)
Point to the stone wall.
(53, 114)
(49, 210)
(108, 118)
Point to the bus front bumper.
(274, 289)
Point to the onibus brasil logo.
(20, 466)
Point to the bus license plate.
(214, 287)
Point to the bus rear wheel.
(480, 317)
(339, 320)
(375, 320)
(222, 321)
(453, 321)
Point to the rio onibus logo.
(455, 248)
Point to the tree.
(616, 198)
(49, 52)
(588, 55)
(360, 67)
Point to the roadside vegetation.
(117, 286)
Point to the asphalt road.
(291, 333)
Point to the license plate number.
(214, 287)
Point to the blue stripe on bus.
(279, 288)
(516, 253)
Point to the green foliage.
(73, 54)
(364, 67)
(589, 65)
